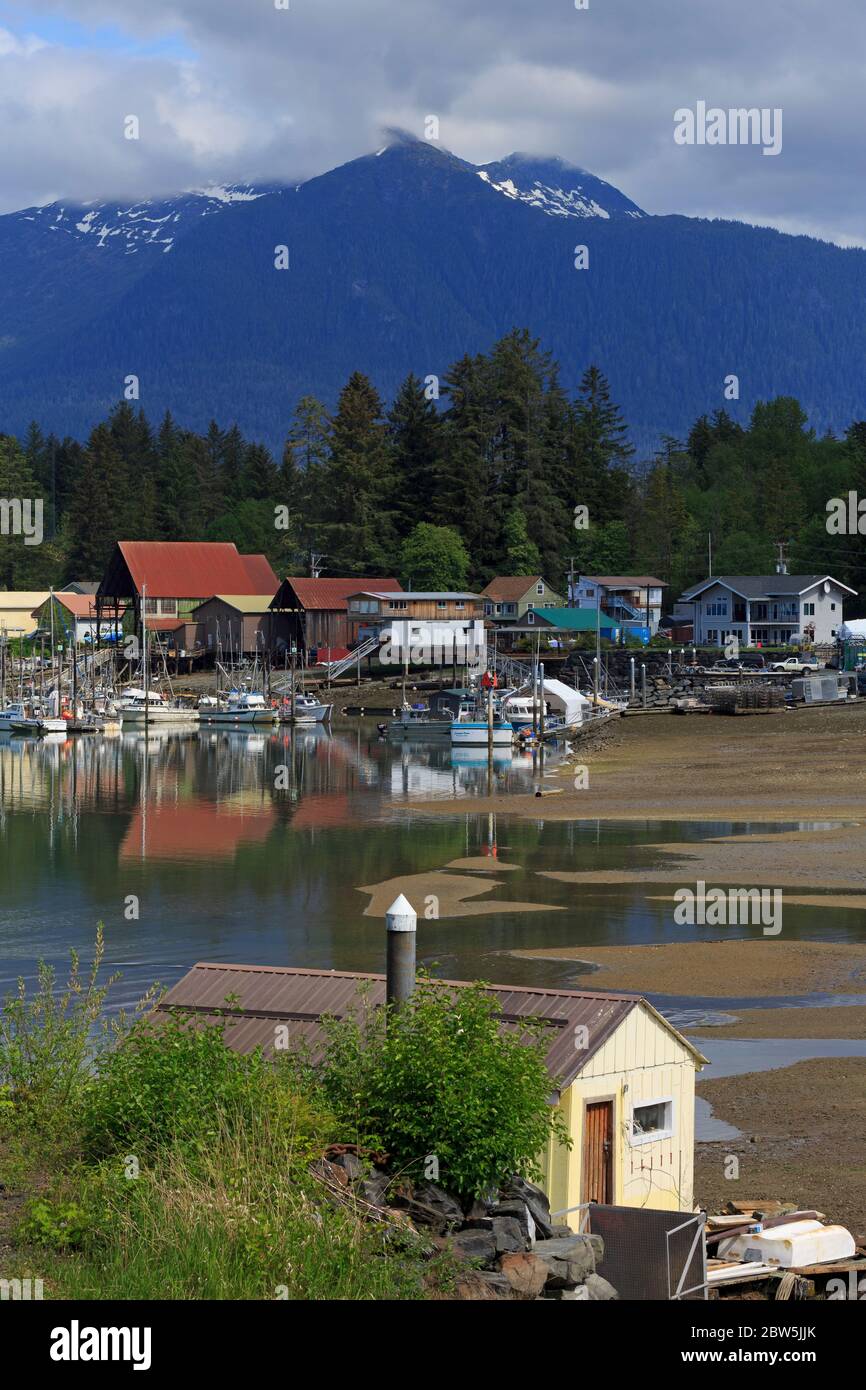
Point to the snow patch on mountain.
(145, 224)
(556, 188)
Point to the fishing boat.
(153, 708)
(7, 715)
(309, 711)
(241, 707)
(418, 721)
(470, 729)
(38, 725)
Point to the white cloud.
(255, 92)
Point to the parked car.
(799, 665)
(753, 662)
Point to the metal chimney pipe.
(401, 921)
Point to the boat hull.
(234, 718)
(137, 718)
(38, 727)
(475, 734)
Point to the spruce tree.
(414, 431)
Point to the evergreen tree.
(93, 512)
(414, 431)
(358, 484)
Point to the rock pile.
(506, 1247)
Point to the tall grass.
(160, 1164)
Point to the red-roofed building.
(314, 612)
(173, 577)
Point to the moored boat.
(242, 707)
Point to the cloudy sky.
(240, 89)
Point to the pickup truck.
(799, 665)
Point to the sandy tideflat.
(837, 1021)
(450, 891)
(719, 969)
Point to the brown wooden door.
(598, 1152)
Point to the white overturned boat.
(244, 707)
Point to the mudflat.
(730, 969)
(802, 1139)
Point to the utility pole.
(710, 554)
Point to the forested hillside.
(448, 492)
(404, 261)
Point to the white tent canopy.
(563, 699)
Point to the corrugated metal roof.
(329, 594)
(626, 581)
(271, 995)
(195, 569)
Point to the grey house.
(765, 609)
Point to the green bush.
(58, 1223)
(174, 1080)
(440, 1078)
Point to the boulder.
(569, 1259)
(484, 1286)
(536, 1201)
(508, 1235)
(520, 1212)
(351, 1164)
(429, 1205)
(599, 1290)
(374, 1189)
(329, 1172)
(525, 1272)
(473, 1245)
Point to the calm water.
(252, 847)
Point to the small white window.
(652, 1120)
(539, 588)
(530, 616)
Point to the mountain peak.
(557, 187)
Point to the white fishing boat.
(152, 709)
(15, 711)
(38, 725)
(310, 711)
(470, 730)
(242, 707)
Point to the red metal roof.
(262, 578)
(330, 594)
(268, 995)
(195, 569)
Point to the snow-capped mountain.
(151, 223)
(556, 187)
(403, 261)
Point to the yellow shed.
(628, 1101)
(625, 1077)
(16, 611)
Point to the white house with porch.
(766, 610)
